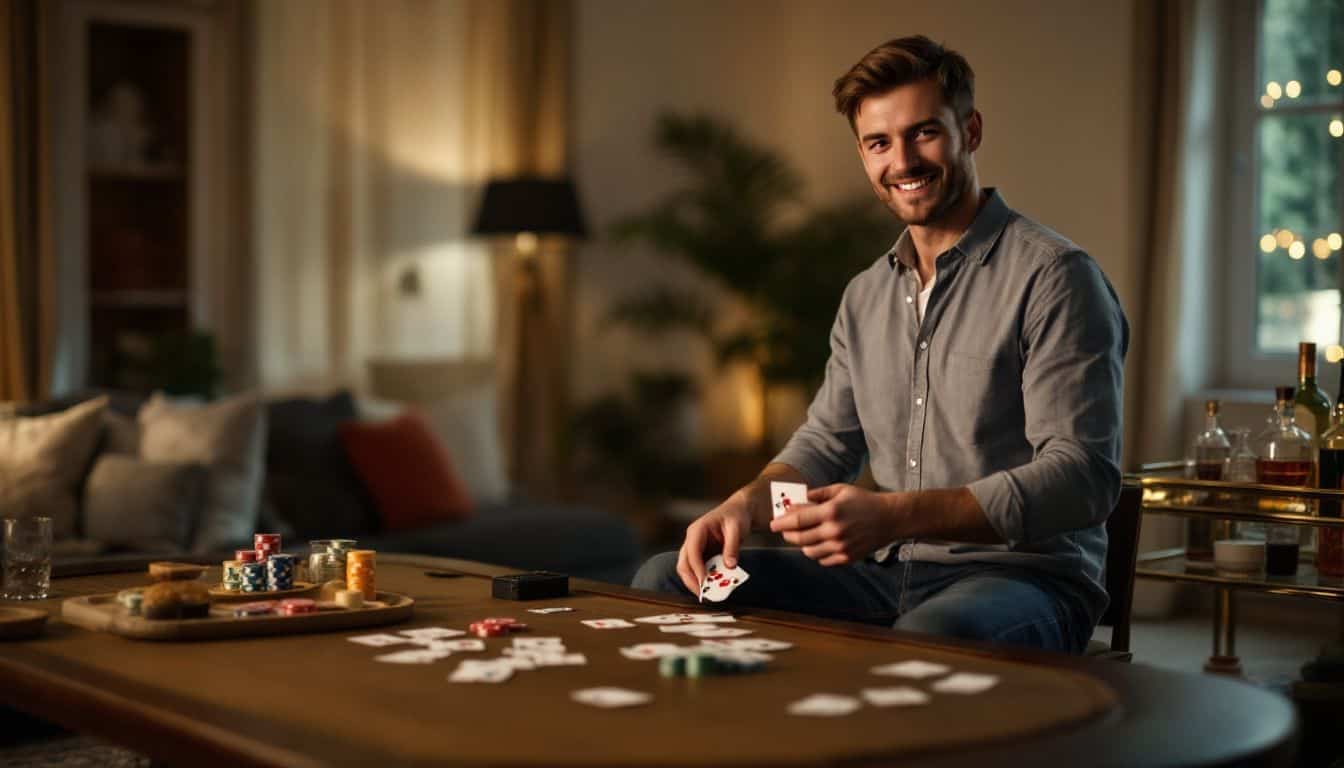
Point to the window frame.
(1242, 363)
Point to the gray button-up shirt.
(1011, 386)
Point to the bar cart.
(1166, 491)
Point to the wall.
(1054, 82)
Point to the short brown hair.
(906, 60)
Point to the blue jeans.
(975, 601)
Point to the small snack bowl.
(1240, 556)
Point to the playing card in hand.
(785, 496)
(719, 581)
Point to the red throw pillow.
(408, 471)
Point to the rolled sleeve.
(830, 445)
(1075, 338)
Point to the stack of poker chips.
(359, 572)
(702, 664)
(296, 606)
(495, 627)
(233, 575)
(279, 571)
(245, 555)
(253, 576)
(266, 544)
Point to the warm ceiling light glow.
(1268, 244)
(1274, 90)
(1284, 237)
(1293, 89)
(1297, 250)
(1266, 101)
(1337, 127)
(1335, 241)
(1334, 77)
(1334, 353)
(1320, 249)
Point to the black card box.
(535, 585)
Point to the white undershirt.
(922, 300)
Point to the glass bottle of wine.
(1311, 408)
(1284, 456)
(1330, 541)
(1212, 449)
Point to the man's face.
(915, 152)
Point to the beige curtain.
(1178, 128)
(25, 256)
(376, 126)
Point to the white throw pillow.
(43, 460)
(468, 423)
(229, 438)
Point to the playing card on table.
(539, 642)
(556, 609)
(761, 644)
(607, 623)
(419, 656)
(916, 670)
(432, 633)
(824, 705)
(457, 644)
(718, 632)
(610, 698)
(645, 651)
(685, 628)
(966, 682)
(784, 496)
(522, 663)
(728, 654)
(898, 696)
(473, 671)
(379, 640)
(719, 581)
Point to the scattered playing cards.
(687, 618)
(538, 642)
(378, 641)
(610, 698)
(966, 682)
(645, 651)
(557, 609)
(719, 581)
(760, 644)
(915, 670)
(418, 656)
(476, 671)
(785, 496)
(718, 632)
(899, 696)
(432, 633)
(824, 705)
(457, 644)
(686, 628)
(607, 623)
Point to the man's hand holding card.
(840, 524)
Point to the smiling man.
(976, 367)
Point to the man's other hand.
(842, 524)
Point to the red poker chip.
(487, 630)
(499, 621)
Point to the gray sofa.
(312, 491)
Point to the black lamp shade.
(529, 204)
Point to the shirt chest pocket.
(980, 397)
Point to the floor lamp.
(525, 209)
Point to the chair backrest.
(1122, 531)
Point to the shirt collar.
(976, 242)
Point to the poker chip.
(482, 629)
(349, 598)
(253, 576)
(262, 608)
(245, 555)
(296, 606)
(280, 571)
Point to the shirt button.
(923, 345)
(908, 300)
(914, 463)
(919, 401)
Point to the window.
(1297, 154)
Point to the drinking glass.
(27, 558)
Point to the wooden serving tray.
(219, 594)
(104, 614)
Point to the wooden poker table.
(318, 699)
